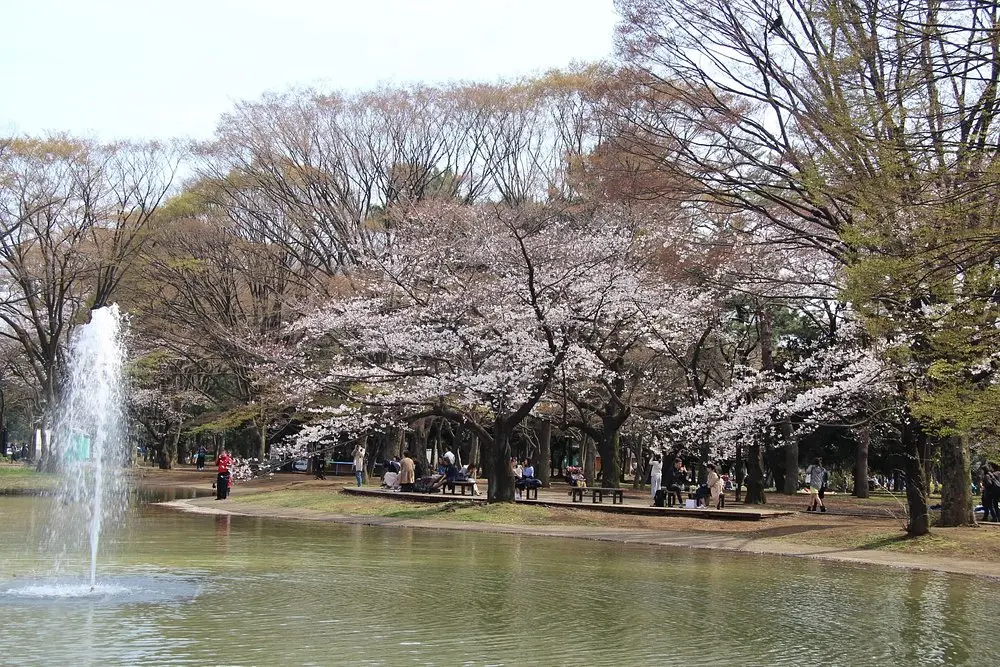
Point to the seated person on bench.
(701, 495)
(470, 476)
(715, 487)
(675, 476)
(527, 479)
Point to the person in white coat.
(359, 464)
(655, 474)
(714, 483)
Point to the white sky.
(169, 68)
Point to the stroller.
(574, 476)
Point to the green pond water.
(205, 590)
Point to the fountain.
(90, 448)
(89, 444)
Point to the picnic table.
(596, 494)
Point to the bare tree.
(861, 128)
(73, 216)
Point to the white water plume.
(90, 443)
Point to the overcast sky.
(156, 68)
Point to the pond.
(196, 589)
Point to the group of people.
(524, 476)
(406, 474)
(676, 477)
(18, 453)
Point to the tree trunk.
(740, 470)
(474, 451)
(421, 433)
(435, 444)
(162, 455)
(43, 453)
(587, 461)
(544, 468)
(369, 460)
(915, 445)
(397, 442)
(861, 465)
(609, 453)
(755, 475)
(501, 482)
(755, 452)
(640, 466)
(791, 485)
(956, 483)
(262, 443)
(176, 447)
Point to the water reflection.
(314, 593)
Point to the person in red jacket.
(222, 481)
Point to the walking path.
(720, 541)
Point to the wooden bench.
(691, 495)
(596, 494)
(530, 492)
(458, 484)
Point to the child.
(816, 479)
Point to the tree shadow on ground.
(784, 531)
(883, 542)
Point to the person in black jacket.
(674, 479)
(991, 492)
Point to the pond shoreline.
(835, 537)
(718, 541)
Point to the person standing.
(655, 475)
(994, 481)
(406, 473)
(222, 480)
(991, 492)
(359, 464)
(816, 479)
(200, 458)
(319, 463)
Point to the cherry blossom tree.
(471, 315)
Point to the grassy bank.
(826, 531)
(17, 478)
(332, 501)
(980, 544)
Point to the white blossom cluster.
(492, 313)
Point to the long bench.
(596, 494)
(458, 484)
